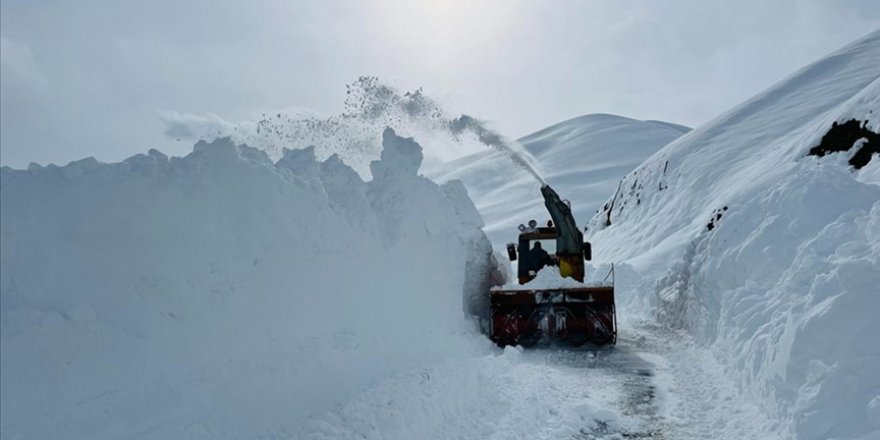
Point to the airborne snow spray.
(370, 107)
(516, 152)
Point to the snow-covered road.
(626, 375)
(677, 388)
(654, 384)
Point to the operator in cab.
(539, 257)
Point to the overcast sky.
(90, 78)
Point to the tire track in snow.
(628, 375)
(654, 384)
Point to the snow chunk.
(400, 156)
(546, 278)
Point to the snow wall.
(765, 253)
(221, 295)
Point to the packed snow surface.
(549, 278)
(766, 254)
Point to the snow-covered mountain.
(582, 158)
(767, 252)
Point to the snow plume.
(195, 127)
(353, 135)
(221, 295)
(512, 149)
(767, 254)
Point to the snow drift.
(224, 295)
(769, 254)
(582, 158)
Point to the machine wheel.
(532, 333)
(576, 340)
(530, 338)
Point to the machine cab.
(536, 248)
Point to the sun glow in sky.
(90, 78)
(446, 36)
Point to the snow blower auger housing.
(568, 310)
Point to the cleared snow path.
(659, 385)
(653, 385)
(679, 388)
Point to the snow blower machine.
(555, 307)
